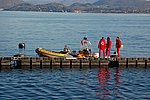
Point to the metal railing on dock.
(44, 62)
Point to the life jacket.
(102, 44)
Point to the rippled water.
(53, 31)
(75, 84)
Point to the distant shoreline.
(100, 6)
(73, 12)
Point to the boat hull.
(50, 54)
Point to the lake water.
(54, 30)
(75, 84)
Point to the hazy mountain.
(66, 2)
(9, 3)
(40, 1)
(55, 7)
(101, 6)
(69, 2)
(123, 3)
(50, 7)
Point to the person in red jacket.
(118, 45)
(108, 46)
(102, 47)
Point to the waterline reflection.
(107, 90)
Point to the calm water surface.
(54, 30)
(75, 84)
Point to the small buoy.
(122, 46)
(96, 55)
(21, 45)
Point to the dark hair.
(85, 38)
(108, 37)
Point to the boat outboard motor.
(21, 45)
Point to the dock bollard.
(70, 63)
(30, 63)
(10, 63)
(136, 63)
(80, 63)
(127, 62)
(19, 64)
(0, 64)
(99, 63)
(51, 63)
(60, 63)
(41, 64)
(145, 63)
(90, 63)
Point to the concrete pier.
(44, 62)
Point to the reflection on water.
(104, 77)
(106, 89)
(75, 84)
(117, 83)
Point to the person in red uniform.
(102, 47)
(118, 45)
(108, 46)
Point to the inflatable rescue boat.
(63, 54)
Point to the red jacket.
(109, 44)
(118, 43)
(102, 44)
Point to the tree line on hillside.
(101, 6)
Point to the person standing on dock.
(102, 47)
(118, 45)
(86, 45)
(108, 47)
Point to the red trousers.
(108, 52)
(118, 52)
(102, 51)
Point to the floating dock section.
(44, 62)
